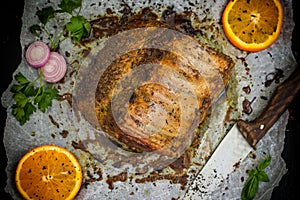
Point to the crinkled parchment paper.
(60, 126)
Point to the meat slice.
(153, 100)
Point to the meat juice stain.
(91, 178)
(120, 177)
(108, 25)
(154, 176)
(97, 173)
(79, 145)
(64, 133)
(66, 96)
(247, 109)
(243, 60)
(53, 121)
(178, 177)
(181, 163)
(247, 89)
(274, 77)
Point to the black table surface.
(11, 22)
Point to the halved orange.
(253, 25)
(48, 172)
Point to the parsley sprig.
(28, 98)
(75, 29)
(255, 176)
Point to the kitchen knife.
(241, 139)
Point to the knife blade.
(241, 139)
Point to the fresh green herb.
(76, 29)
(70, 5)
(45, 14)
(79, 27)
(255, 176)
(35, 30)
(28, 98)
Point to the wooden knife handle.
(281, 99)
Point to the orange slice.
(252, 25)
(48, 172)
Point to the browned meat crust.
(151, 119)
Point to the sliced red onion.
(55, 69)
(37, 54)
